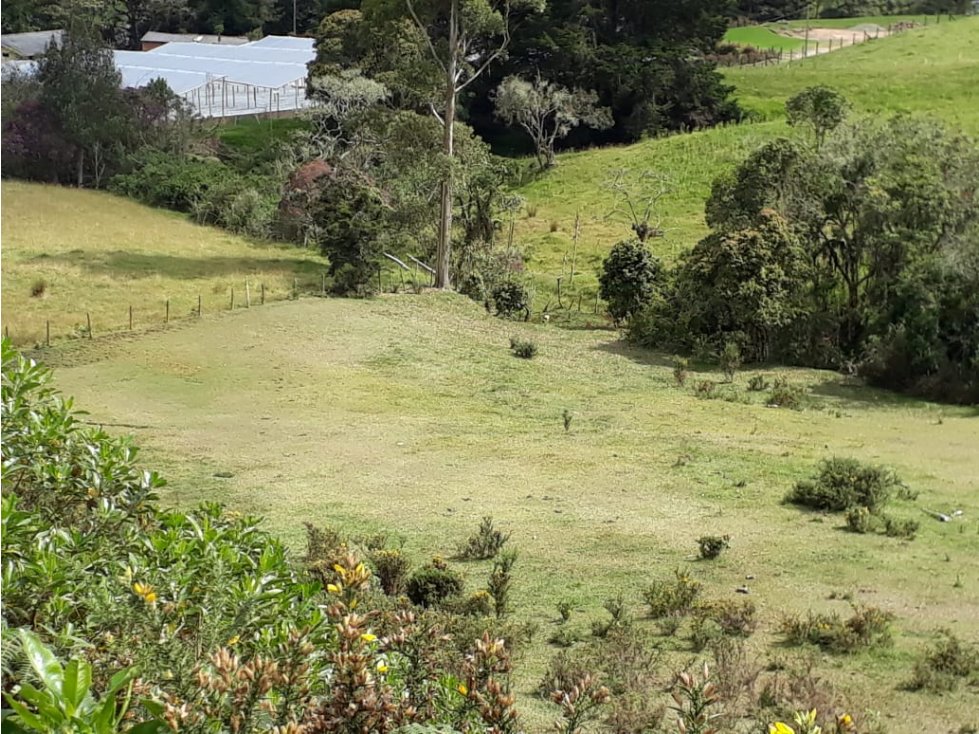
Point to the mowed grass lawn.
(408, 414)
(92, 252)
(763, 38)
(932, 71)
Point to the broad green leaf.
(26, 718)
(45, 664)
(78, 680)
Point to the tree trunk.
(443, 256)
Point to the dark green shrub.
(704, 631)
(511, 298)
(680, 365)
(946, 664)
(672, 597)
(757, 383)
(477, 604)
(868, 627)
(391, 567)
(844, 483)
(523, 348)
(433, 584)
(473, 286)
(711, 546)
(786, 395)
(628, 279)
(485, 543)
(895, 528)
(729, 360)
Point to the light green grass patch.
(762, 38)
(99, 254)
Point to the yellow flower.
(145, 592)
(339, 569)
(845, 721)
(333, 588)
(368, 637)
(463, 690)
(780, 728)
(234, 639)
(381, 667)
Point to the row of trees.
(857, 245)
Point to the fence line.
(132, 315)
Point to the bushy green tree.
(743, 284)
(821, 109)
(629, 277)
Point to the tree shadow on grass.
(858, 395)
(132, 265)
(622, 348)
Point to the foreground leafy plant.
(65, 701)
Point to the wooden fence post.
(200, 306)
(248, 296)
(263, 294)
(47, 338)
(295, 288)
(323, 283)
(232, 308)
(166, 318)
(130, 317)
(88, 323)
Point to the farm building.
(155, 39)
(265, 77)
(27, 46)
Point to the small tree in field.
(819, 108)
(628, 279)
(547, 112)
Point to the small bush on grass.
(680, 365)
(510, 299)
(736, 618)
(564, 609)
(565, 637)
(786, 395)
(666, 598)
(860, 520)
(729, 360)
(867, 628)
(391, 567)
(946, 664)
(843, 483)
(500, 583)
(39, 288)
(485, 543)
(619, 617)
(900, 528)
(705, 389)
(711, 546)
(757, 383)
(523, 348)
(433, 584)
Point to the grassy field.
(409, 414)
(762, 37)
(91, 252)
(931, 71)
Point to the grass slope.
(99, 253)
(762, 37)
(409, 414)
(933, 70)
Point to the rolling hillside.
(933, 70)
